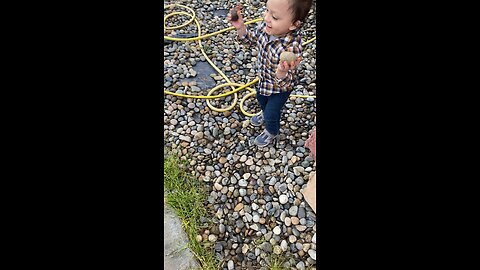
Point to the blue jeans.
(272, 110)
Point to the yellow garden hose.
(229, 83)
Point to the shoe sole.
(274, 142)
(261, 146)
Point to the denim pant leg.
(262, 101)
(273, 111)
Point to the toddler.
(279, 32)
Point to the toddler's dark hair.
(300, 9)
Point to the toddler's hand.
(238, 23)
(284, 67)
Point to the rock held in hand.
(288, 56)
(234, 15)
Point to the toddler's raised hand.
(239, 22)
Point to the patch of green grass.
(276, 262)
(207, 49)
(186, 196)
(257, 242)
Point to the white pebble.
(283, 199)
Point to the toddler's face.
(278, 17)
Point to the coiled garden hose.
(229, 83)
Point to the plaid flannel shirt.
(269, 50)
